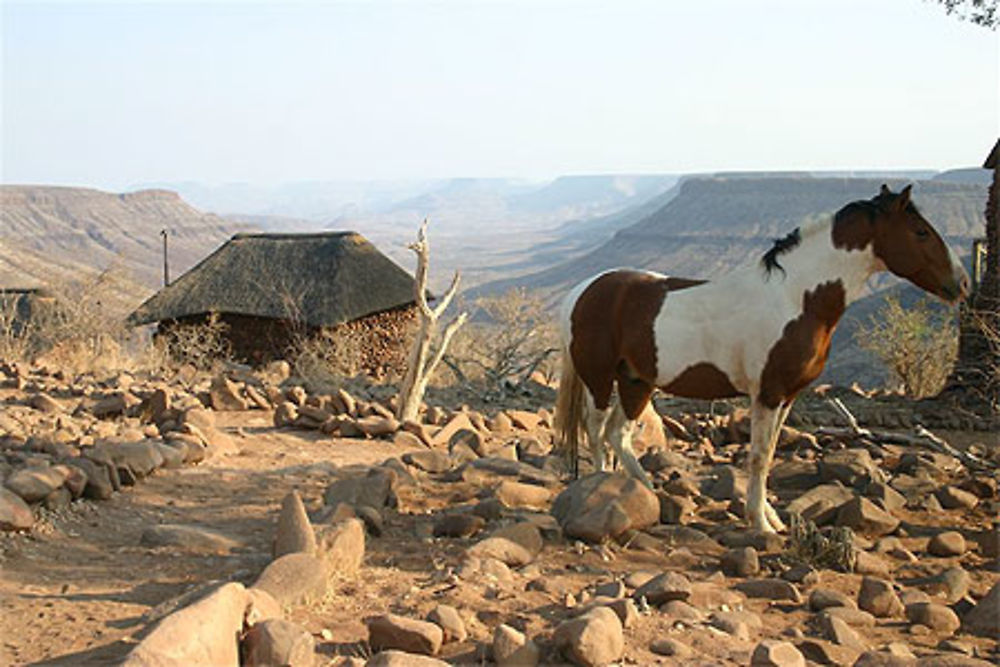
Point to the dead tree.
(422, 362)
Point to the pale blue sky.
(115, 94)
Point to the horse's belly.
(703, 380)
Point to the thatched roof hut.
(320, 280)
(267, 286)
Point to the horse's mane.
(780, 247)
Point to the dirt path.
(71, 592)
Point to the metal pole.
(166, 266)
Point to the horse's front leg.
(763, 421)
(596, 425)
(619, 433)
(769, 512)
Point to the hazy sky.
(115, 94)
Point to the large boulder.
(204, 633)
(592, 639)
(605, 505)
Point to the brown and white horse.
(762, 331)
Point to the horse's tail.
(569, 414)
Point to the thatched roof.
(317, 279)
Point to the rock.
(45, 403)
(823, 598)
(664, 588)
(261, 606)
(820, 503)
(278, 642)
(593, 639)
(514, 545)
(889, 498)
(827, 653)
(35, 482)
(458, 525)
(428, 460)
(670, 647)
(707, 595)
(525, 420)
(884, 659)
(14, 512)
(839, 632)
(866, 518)
(776, 653)
(989, 542)
(294, 533)
(870, 564)
(203, 633)
(140, 458)
(736, 623)
(451, 624)
(341, 547)
(390, 631)
(512, 649)
(99, 486)
(759, 540)
(953, 498)
(742, 562)
(377, 426)
(285, 414)
(983, 620)
(457, 423)
(187, 538)
(878, 598)
(856, 618)
(851, 467)
(113, 405)
(935, 616)
(770, 589)
(403, 659)
(948, 543)
(730, 483)
(517, 494)
(676, 509)
(375, 489)
(953, 583)
(224, 394)
(605, 505)
(294, 579)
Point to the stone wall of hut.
(381, 340)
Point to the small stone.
(948, 543)
(776, 653)
(856, 618)
(822, 598)
(14, 512)
(665, 587)
(953, 583)
(937, 617)
(953, 498)
(518, 494)
(390, 631)
(377, 426)
(839, 632)
(593, 639)
(770, 589)
(515, 545)
(458, 525)
(604, 505)
(341, 547)
(35, 482)
(293, 579)
(451, 623)
(676, 509)
(866, 518)
(278, 642)
(742, 562)
(878, 597)
(294, 532)
(512, 649)
(393, 658)
(428, 460)
(870, 564)
(225, 394)
(670, 647)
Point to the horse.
(762, 331)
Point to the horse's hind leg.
(634, 396)
(596, 426)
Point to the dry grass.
(203, 346)
(917, 346)
(328, 358)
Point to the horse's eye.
(923, 232)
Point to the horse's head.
(911, 248)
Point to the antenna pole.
(166, 265)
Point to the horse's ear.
(884, 190)
(904, 197)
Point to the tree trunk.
(422, 362)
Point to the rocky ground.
(184, 518)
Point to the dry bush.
(917, 345)
(202, 345)
(15, 332)
(989, 326)
(325, 359)
(511, 335)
